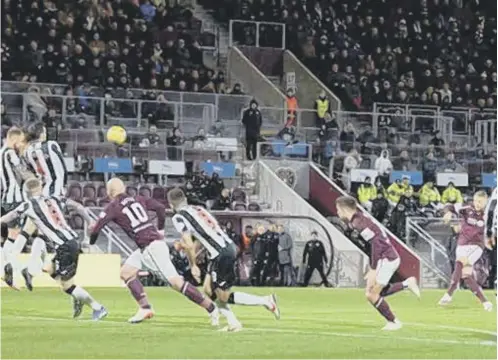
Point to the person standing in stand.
(252, 121)
(315, 258)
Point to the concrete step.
(275, 80)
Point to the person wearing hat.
(252, 121)
(314, 258)
(367, 192)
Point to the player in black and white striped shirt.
(46, 213)
(11, 184)
(196, 223)
(46, 160)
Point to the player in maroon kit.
(384, 260)
(469, 247)
(130, 213)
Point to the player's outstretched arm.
(80, 209)
(18, 211)
(105, 217)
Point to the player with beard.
(470, 245)
(384, 260)
(197, 223)
(130, 213)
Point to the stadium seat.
(76, 222)
(74, 190)
(239, 206)
(101, 191)
(253, 207)
(132, 190)
(145, 191)
(239, 195)
(89, 191)
(90, 202)
(103, 202)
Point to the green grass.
(316, 323)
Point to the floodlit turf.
(316, 323)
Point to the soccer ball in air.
(116, 134)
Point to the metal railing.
(227, 106)
(432, 252)
(248, 33)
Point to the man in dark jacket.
(258, 250)
(271, 255)
(285, 244)
(252, 121)
(314, 257)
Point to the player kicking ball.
(384, 261)
(130, 213)
(469, 249)
(197, 224)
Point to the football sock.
(227, 313)
(35, 262)
(475, 288)
(240, 298)
(455, 278)
(194, 295)
(393, 288)
(383, 308)
(82, 295)
(138, 292)
(16, 248)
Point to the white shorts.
(471, 252)
(385, 270)
(154, 258)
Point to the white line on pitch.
(292, 331)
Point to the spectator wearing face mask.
(451, 195)
(367, 192)
(384, 166)
(322, 107)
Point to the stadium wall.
(253, 81)
(94, 270)
(323, 193)
(281, 198)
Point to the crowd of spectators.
(110, 44)
(435, 52)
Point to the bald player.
(130, 213)
(470, 246)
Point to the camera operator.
(315, 258)
(380, 206)
(405, 207)
(216, 185)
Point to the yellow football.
(116, 134)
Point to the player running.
(195, 222)
(470, 246)
(12, 178)
(384, 261)
(46, 160)
(46, 213)
(130, 213)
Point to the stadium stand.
(429, 52)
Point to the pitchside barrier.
(94, 270)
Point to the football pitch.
(315, 323)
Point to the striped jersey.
(11, 183)
(46, 160)
(491, 215)
(203, 226)
(47, 213)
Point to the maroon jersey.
(380, 245)
(130, 213)
(472, 225)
